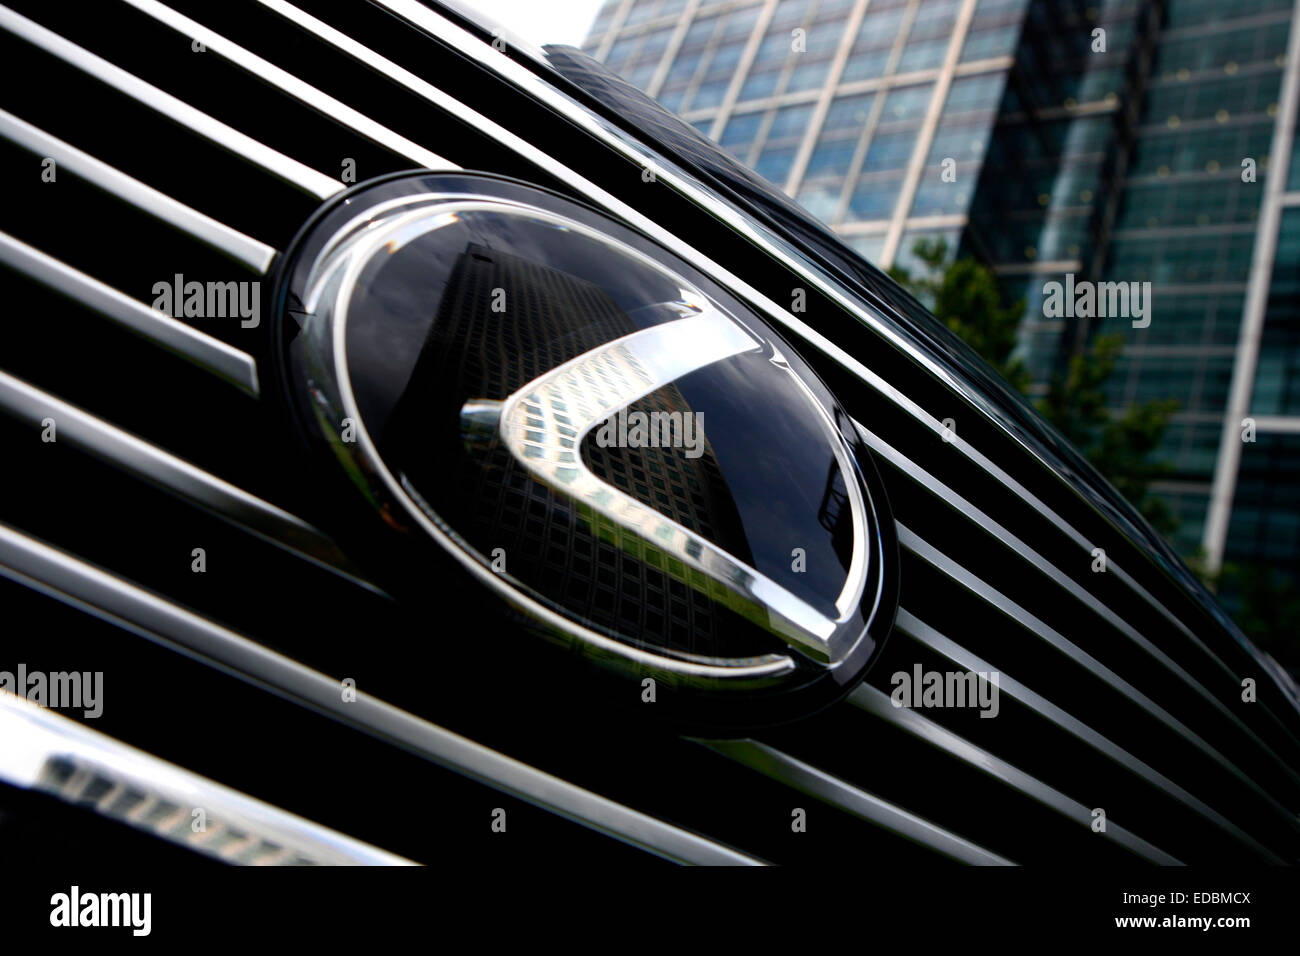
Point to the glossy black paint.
(528, 706)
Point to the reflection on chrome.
(543, 425)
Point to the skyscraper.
(840, 102)
(1113, 140)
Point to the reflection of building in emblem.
(835, 513)
(474, 353)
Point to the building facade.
(1107, 140)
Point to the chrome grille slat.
(854, 800)
(878, 704)
(153, 464)
(1004, 535)
(289, 170)
(316, 99)
(208, 353)
(256, 255)
(61, 757)
(922, 633)
(409, 80)
(68, 579)
(971, 582)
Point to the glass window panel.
(831, 159)
(741, 22)
(820, 199)
(742, 128)
(997, 13)
(986, 44)
(671, 100)
(759, 85)
(923, 55)
(969, 94)
(1277, 381)
(869, 247)
(907, 103)
(848, 113)
(709, 94)
(699, 32)
(963, 143)
(774, 163)
(725, 60)
(606, 16)
(640, 76)
(807, 75)
(936, 197)
(867, 65)
(790, 121)
(875, 197)
(889, 150)
(641, 11)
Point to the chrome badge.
(623, 453)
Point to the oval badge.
(612, 443)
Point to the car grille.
(199, 148)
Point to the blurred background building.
(1159, 149)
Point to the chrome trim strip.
(303, 92)
(82, 585)
(256, 255)
(877, 703)
(433, 23)
(151, 463)
(425, 90)
(290, 170)
(582, 392)
(922, 633)
(208, 353)
(40, 745)
(949, 495)
(844, 796)
(927, 552)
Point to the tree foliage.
(966, 297)
(964, 294)
(1265, 603)
(1121, 446)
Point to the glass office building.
(1104, 138)
(849, 105)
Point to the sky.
(542, 21)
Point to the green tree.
(1264, 602)
(965, 295)
(1119, 446)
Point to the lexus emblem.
(627, 456)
